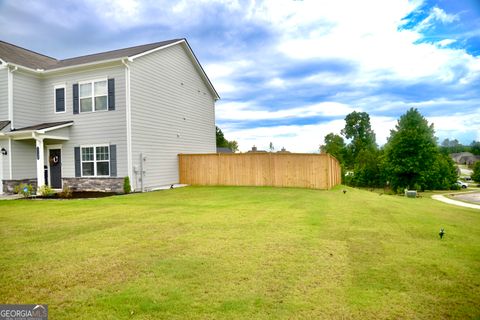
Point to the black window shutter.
(111, 94)
(75, 98)
(78, 169)
(113, 160)
(60, 100)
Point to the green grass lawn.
(248, 253)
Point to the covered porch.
(33, 155)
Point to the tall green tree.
(475, 147)
(443, 173)
(233, 145)
(411, 152)
(334, 145)
(224, 143)
(221, 141)
(368, 169)
(359, 130)
(476, 172)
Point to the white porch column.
(1, 173)
(40, 163)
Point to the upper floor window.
(59, 98)
(93, 96)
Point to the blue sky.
(290, 71)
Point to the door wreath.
(54, 159)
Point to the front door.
(55, 160)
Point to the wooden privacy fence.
(315, 171)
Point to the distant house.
(283, 150)
(88, 122)
(464, 158)
(254, 149)
(224, 150)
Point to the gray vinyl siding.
(34, 104)
(3, 93)
(23, 159)
(105, 127)
(27, 102)
(172, 113)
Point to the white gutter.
(35, 131)
(55, 128)
(10, 94)
(43, 71)
(154, 50)
(83, 65)
(128, 122)
(17, 66)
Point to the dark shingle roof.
(14, 54)
(109, 55)
(4, 123)
(24, 57)
(224, 150)
(42, 126)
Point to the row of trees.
(454, 146)
(410, 159)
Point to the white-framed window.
(93, 95)
(95, 161)
(59, 92)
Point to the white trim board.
(1, 172)
(128, 116)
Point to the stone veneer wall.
(9, 185)
(94, 184)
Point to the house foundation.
(9, 185)
(75, 184)
(94, 184)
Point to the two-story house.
(88, 122)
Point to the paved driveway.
(476, 195)
(470, 197)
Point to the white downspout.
(128, 112)
(10, 95)
(10, 115)
(1, 173)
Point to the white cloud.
(245, 111)
(382, 126)
(300, 138)
(294, 138)
(456, 124)
(118, 13)
(446, 42)
(371, 38)
(436, 14)
(277, 83)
